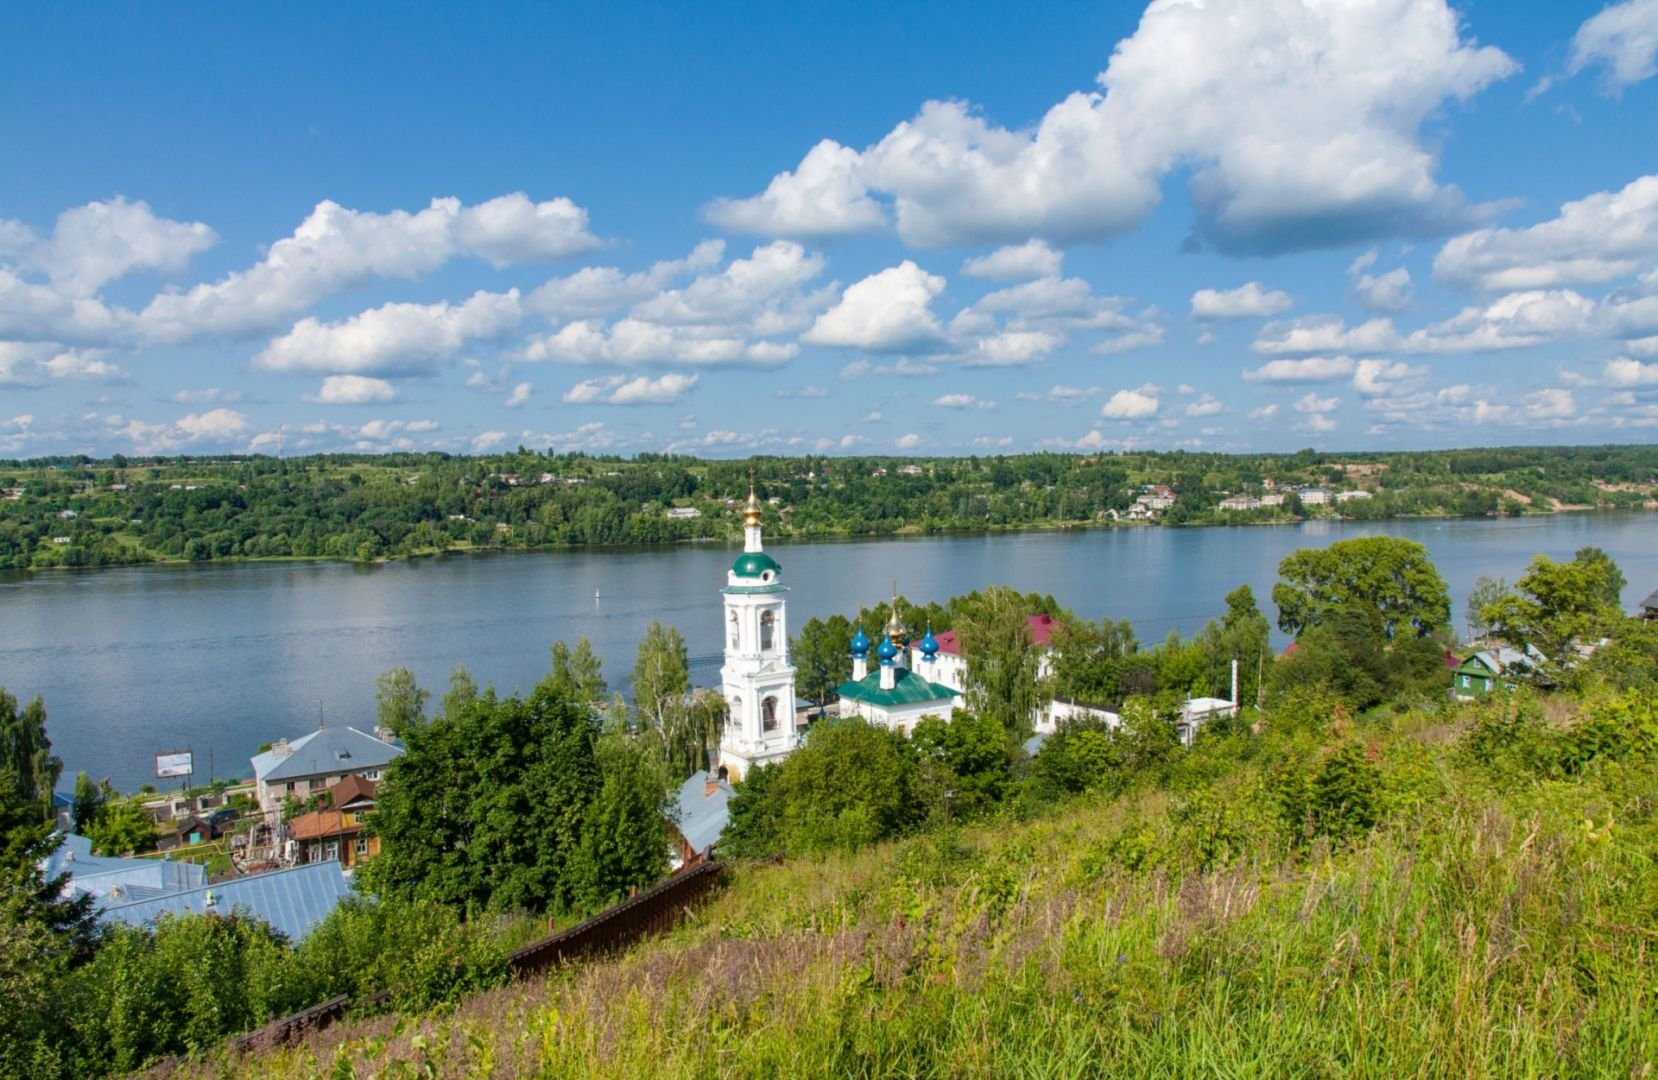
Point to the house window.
(768, 625)
(360, 846)
(332, 852)
(1465, 680)
(768, 714)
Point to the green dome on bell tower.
(754, 564)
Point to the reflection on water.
(136, 660)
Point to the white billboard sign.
(181, 763)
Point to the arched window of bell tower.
(731, 630)
(768, 627)
(768, 714)
(735, 719)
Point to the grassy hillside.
(1446, 893)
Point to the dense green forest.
(85, 512)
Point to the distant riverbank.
(829, 537)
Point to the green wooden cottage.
(1492, 669)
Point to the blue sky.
(920, 228)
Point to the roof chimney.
(710, 786)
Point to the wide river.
(220, 659)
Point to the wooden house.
(335, 833)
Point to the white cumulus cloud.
(962, 401)
(335, 249)
(1016, 262)
(888, 311)
(1301, 121)
(1131, 404)
(1312, 369)
(1627, 371)
(668, 389)
(825, 195)
(353, 390)
(97, 243)
(1390, 291)
(392, 338)
(1246, 301)
(1598, 238)
(728, 316)
(1623, 37)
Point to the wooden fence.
(657, 909)
(653, 911)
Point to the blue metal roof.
(141, 877)
(325, 750)
(702, 815)
(292, 901)
(101, 875)
(1033, 745)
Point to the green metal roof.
(908, 689)
(742, 590)
(754, 563)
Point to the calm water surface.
(222, 658)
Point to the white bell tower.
(757, 678)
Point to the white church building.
(758, 681)
(757, 678)
(895, 695)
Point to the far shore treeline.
(69, 512)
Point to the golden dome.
(751, 512)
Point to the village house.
(335, 833)
(1066, 709)
(1196, 712)
(107, 877)
(1272, 500)
(310, 765)
(951, 666)
(1240, 502)
(1349, 496)
(1493, 669)
(197, 829)
(702, 807)
(1157, 497)
(1314, 496)
(683, 513)
(1649, 608)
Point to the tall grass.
(1499, 921)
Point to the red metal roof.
(1041, 635)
